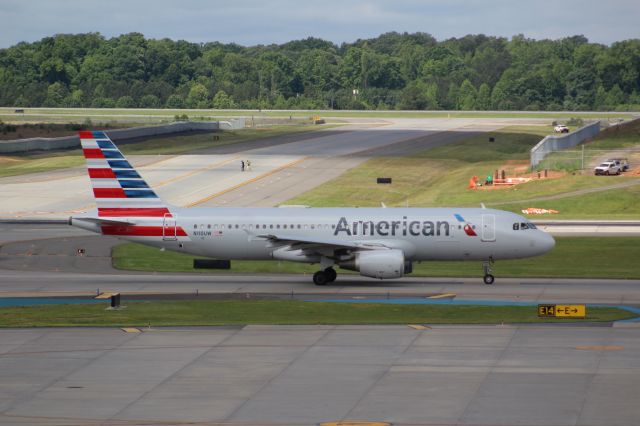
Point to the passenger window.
(284, 226)
(516, 226)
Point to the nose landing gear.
(488, 278)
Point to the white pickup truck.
(608, 168)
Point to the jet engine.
(378, 264)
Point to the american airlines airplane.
(379, 243)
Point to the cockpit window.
(532, 226)
(516, 226)
(524, 226)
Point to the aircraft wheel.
(332, 274)
(320, 278)
(489, 279)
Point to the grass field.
(194, 313)
(572, 258)
(157, 115)
(43, 162)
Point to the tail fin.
(118, 188)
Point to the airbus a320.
(379, 243)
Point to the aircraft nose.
(545, 242)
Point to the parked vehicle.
(608, 168)
(561, 128)
(623, 163)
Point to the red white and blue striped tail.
(118, 188)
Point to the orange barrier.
(473, 182)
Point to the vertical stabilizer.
(117, 187)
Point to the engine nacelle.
(380, 264)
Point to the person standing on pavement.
(242, 165)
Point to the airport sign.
(562, 311)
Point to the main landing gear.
(325, 276)
(488, 278)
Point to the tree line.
(392, 71)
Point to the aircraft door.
(169, 227)
(488, 227)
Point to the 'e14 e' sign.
(562, 311)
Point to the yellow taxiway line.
(442, 296)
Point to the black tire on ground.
(332, 274)
(489, 279)
(320, 278)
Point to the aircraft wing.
(299, 242)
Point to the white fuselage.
(421, 233)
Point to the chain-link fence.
(586, 159)
(553, 143)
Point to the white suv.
(608, 168)
(561, 128)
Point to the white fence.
(553, 143)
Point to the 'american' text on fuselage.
(385, 228)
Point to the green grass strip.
(195, 313)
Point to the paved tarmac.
(304, 375)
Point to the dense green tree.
(175, 102)
(198, 96)
(125, 102)
(393, 70)
(56, 93)
(223, 101)
(483, 101)
(467, 96)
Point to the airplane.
(379, 243)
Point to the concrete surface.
(303, 375)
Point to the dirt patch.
(8, 160)
(519, 169)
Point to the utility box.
(384, 180)
(115, 301)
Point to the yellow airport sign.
(562, 311)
